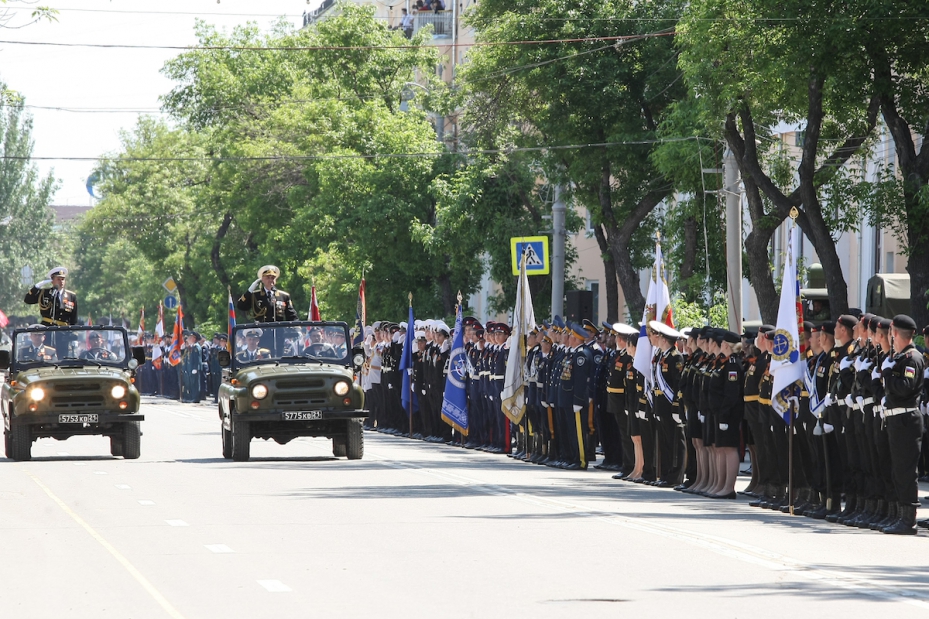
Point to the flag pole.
(790, 409)
(410, 394)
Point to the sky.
(117, 84)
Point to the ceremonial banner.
(787, 362)
(657, 307)
(406, 365)
(4, 321)
(140, 334)
(513, 396)
(230, 344)
(454, 402)
(314, 306)
(160, 333)
(174, 355)
(360, 317)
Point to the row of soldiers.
(854, 427)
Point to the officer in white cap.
(57, 305)
(264, 301)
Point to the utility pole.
(558, 252)
(733, 241)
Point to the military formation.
(846, 447)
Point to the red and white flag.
(313, 314)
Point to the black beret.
(766, 328)
(828, 328)
(884, 323)
(732, 338)
(902, 321)
(808, 326)
(749, 334)
(847, 320)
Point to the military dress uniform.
(667, 414)
(573, 403)
(37, 353)
(57, 307)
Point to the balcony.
(441, 23)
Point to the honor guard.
(264, 301)
(57, 305)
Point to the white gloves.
(676, 417)
(828, 400)
(888, 363)
(45, 283)
(423, 392)
(545, 404)
(640, 414)
(701, 417)
(390, 386)
(860, 401)
(577, 408)
(724, 426)
(845, 363)
(255, 285)
(926, 373)
(857, 364)
(828, 427)
(876, 373)
(866, 365)
(884, 402)
(849, 402)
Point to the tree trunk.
(690, 249)
(611, 289)
(215, 256)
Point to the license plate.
(89, 418)
(303, 416)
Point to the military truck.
(70, 381)
(286, 380)
(889, 294)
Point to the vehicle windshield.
(292, 342)
(70, 346)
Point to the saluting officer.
(57, 305)
(264, 301)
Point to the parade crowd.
(851, 453)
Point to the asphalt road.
(412, 530)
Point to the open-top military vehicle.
(69, 381)
(290, 379)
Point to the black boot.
(906, 523)
(764, 493)
(817, 502)
(863, 514)
(878, 511)
(890, 516)
(850, 504)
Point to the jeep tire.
(116, 446)
(20, 442)
(241, 440)
(355, 440)
(132, 440)
(338, 447)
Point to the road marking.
(136, 574)
(177, 523)
(100, 473)
(63, 453)
(123, 487)
(79, 463)
(727, 547)
(274, 586)
(146, 502)
(218, 548)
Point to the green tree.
(26, 234)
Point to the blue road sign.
(170, 301)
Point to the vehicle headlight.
(259, 391)
(341, 387)
(37, 393)
(118, 391)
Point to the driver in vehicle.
(252, 351)
(97, 350)
(36, 350)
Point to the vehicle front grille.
(300, 398)
(77, 386)
(306, 383)
(77, 402)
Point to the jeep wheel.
(20, 442)
(116, 446)
(7, 444)
(355, 441)
(338, 447)
(132, 440)
(241, 438)
(227, 441)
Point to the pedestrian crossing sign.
(535, 250)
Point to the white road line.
(274, 586)
(177, 523)
(136, 574)
(146, 502)
(79, 463)
(100, 473)
(218, 548)
(123, 487)
(719, 545)
(63, 453)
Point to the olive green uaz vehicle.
(69, 381)
(291, 379)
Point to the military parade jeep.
(69, 381)
(287, 380)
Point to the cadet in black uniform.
(726, 400)
(264, 301)
(903, 378)
(668, 366)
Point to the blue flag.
(406, 366)
(454, 404)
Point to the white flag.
(513, 396)
(657, 307)
(787, 364)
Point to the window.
(889, 262)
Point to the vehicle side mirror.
(4, 359)
(223, 358)
(138, 353)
